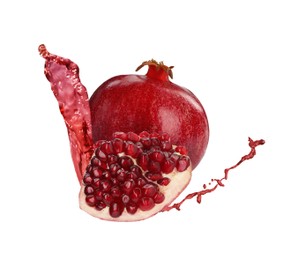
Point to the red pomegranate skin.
(150, 103)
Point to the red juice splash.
(219, 182)
(73, 101)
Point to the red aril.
(136, 141)
(130, 192)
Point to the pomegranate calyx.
(157, 70)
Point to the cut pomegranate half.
(133, 177)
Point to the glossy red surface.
(145, 103)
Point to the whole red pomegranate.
(150, 103)
(135, 143)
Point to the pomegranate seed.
(121, 175)
(139, 145)
(89, 168)
(132, 137)
(154, 166)
(135, 169)
(111, 158)
(105, 185)
(98, 194)
(125, 162)
(100, 205)
(99, 143)
(107, 148)
(117, 145)
(167, 154)
(131, 149)
(164, 181)
(107, 198)
(91, 200)
(159, 198)
(143, 160)
(96, 162)
(146, 203)
(141, 181)
(154, 149)
(153, 176)
(125, 198)
(131, 208)
(183, 163)
(135, 194)
(120, 135)
(116, 209)
(115, 192)
(114, 181)
(168, 166)
(87, 179)
(97, 172)
(139, 151)
(157, 156)
(146, 142)
(131, 176)
(175, 157)
(166, 145)
(107, 175)
(182, 150)
(128, 185)
(149, 190)
(89, 190)
(144, 134)
(100, 155)
(113, 168)
(96, 182)
(155, 141)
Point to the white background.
(234, 55)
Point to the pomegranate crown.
(158, 66)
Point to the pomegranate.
(135, 143)
(150, 103)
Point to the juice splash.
(218, 182)
(72, 96)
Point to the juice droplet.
(72, 96)
(218, 182)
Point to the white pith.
(179, 181)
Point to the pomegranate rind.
(140, 103)
(179, 181)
